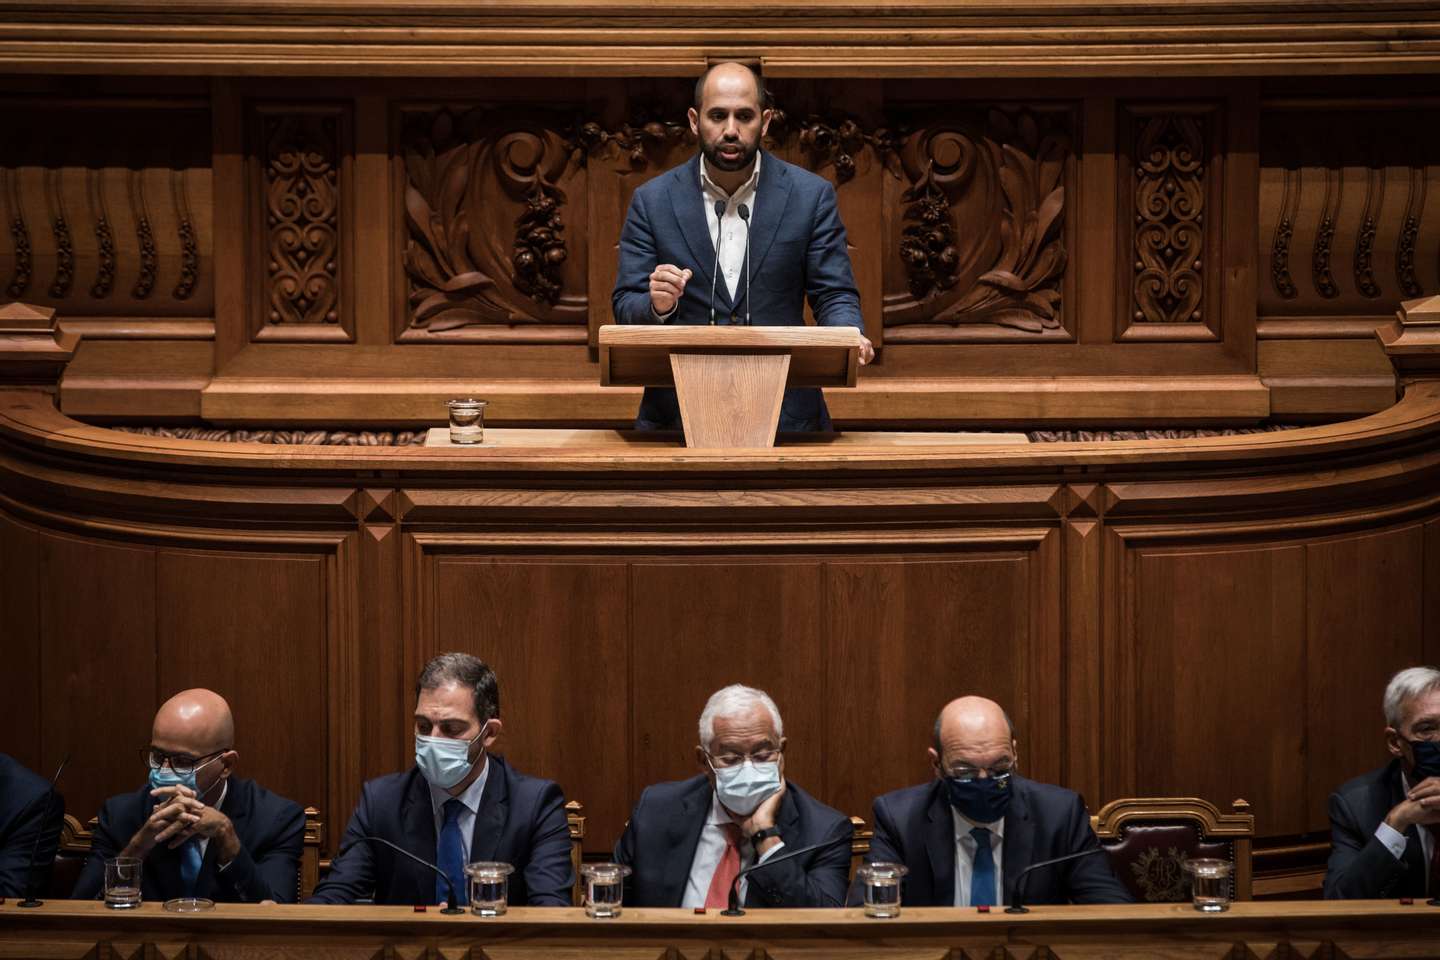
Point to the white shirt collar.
(470, 798)
(710, 186)
(719, 816)
(963, 825)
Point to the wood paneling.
(20, 710)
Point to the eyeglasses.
(179, 763)
(965, 773)
(724, 760)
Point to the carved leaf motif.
(1169, 206)
(302, 214)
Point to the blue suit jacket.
(914, 827)
(271, 830)
(521, 822)
(26, 816)
(1361, 867)
(797, 250)
(660, 841)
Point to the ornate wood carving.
(486, 242)
(144, 238)
(189, 245)
(302, 215)
(104, 237)
(645, 139)
(1325, 284)
(981, 236)
(60, 228)
(24, 264)
(1409, 233)
(1169, 205)
(1365, 241)
(1280, 276)
(835, 141)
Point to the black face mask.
(1427, 758)
(980, 800)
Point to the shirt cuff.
(663, 317)
(771, 852)
(1393, 839)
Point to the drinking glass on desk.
(604, 888)
(881, 885)
(1210, 882)
(467, 420)
(489, 887)
(122, 882)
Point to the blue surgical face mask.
(165, 777)
(1427, 758)
(445, 762)
(982, 800)
(743, 787)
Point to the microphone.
(734, 909)
(719, 235)
(1016, 904)
(451, 906)
(30, 899)
(744, 212)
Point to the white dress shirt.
(1396, 842)
(470, 805)
(965, 856)
(709, 852)
(729, 231)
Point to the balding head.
(197, 722)
(730, 80)
(974, 732)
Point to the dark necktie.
(450, 855)
(1434, 878)
(190, 857)
(982, 878)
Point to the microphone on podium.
(48, 796)
(744, 212)
(719, 236)
(734, 909)
(451, 907)
(1017, 901)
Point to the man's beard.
(711, 151)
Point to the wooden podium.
(730, 379)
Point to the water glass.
(1210, 884)
(881, 885)
(122, 882)
(467, 420)
(604, 888)
(489, 887)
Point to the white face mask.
(443, 761)
(746, 785)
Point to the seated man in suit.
(730, 202)
(967, 835)
(459, 804)
(688, 840)
(31, 815)
(1384, 825)
(201, 830)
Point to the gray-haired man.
(1383, 824)
(688, 840)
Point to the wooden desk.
(61, 930)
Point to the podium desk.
(64, 930)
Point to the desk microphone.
(49, 795)
(1016, 904)
(719, 235)
(451, 906)
(734, 909)
(744, 212)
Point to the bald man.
(731, 203)
(201, 830)
(967, 835)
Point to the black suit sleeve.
(270, 871)
(829, 279)
(1090, 879)
(352, 874)
(1360, 867)
(625, 850)
(549, 875)
(630, 302)
(35, 836)
(813, 880)
(104, 845)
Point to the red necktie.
(726, 871)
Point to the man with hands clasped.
(688, 840)
(200, 830)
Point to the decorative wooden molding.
(1412, 341)
(33, 348)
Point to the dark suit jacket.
(271, 830)
(660, 841)
(1361, 867)
(797, 250)
(914, 827)
(26, 815)
(521, 821)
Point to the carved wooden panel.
(1347, 221)
(105, 207)
(300, 242)
(1170, 221)
(494, 237)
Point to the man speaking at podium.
(735, 236)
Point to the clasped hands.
(178, 817)
(1420, 806)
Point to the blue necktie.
(982, 878)
(450, 855)
(190, 857)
